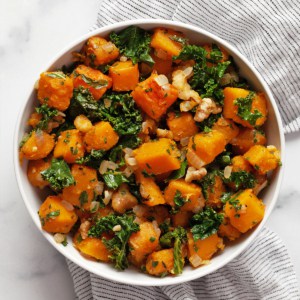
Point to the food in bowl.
(152, 150)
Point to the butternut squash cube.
(182, 218)
(228, 231)
(200, 251)
(98, 51)
(55, 218)
(149, 190)
(214, 193)
(38, 145)
(160, 262)
(182, 126)
(35, 167)
(244, 211)
(55, 89)
(227, 128)
(93, 80)
(247, 138)
(125, 75)
(69, 146)
(164, 39)
(162, 66)
(239, 163)
(91, 247)
(258, 105)
(155, 95)
(263, 159)
(189, 191)
(158, 157)
(204, 147)
(83, 192)
(100, 137)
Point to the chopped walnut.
(84, 229)
(164, 133)
(194, 174)
(205, 108)
(148, 126)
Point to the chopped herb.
(114, 180)
(241, 179)
(178, 39)
(65, 242)
(179, 200)
(180, 172)
(93, 159)
(79, 238)
(154, 263)
(96, 84)
(232, 200)
(208, 123)
(53, 214)
(83, 198)
(152, 239)
(148, 166)
(48, 113)
(59, 75)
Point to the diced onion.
(128, 151)
(184, 141)
(156, 228)
(99, 188)
(227, 171)
(108, 47)
(188, 71)
(59, 238)
(67, 205)
(117, 228)
(94, 206)
(107, 196)
(194, 160)
(123, 58)
(107, 164)
(161, 80)
(195, 260)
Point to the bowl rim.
(153, 281)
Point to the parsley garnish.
(47, 113)
(114, 179)
(241, 179)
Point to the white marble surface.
(32, 31)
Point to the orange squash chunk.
(214, 193)
(34, 119)
(55, 89)
(154, 99)
(247, 212)
(158, 157)
(182, 218)
(227, 128)
(100, 137)
(93, 80)
(230, 110)
(143, 242)
(38, 145)
(182, 126)
(55, 217)
(228, 231)
(83, 192)
(262, 158)
(189, 191)
(35, 167)
(144, 213)
(206, 146)
(247, 138)
(239, 163)
(160, 262)
(91, 247)
(204, 249)
(162, 40)
(149, 190)
(125, 75)
(98, 51)
(69, 146)
(162, 66)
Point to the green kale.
(241, 179)
(232, 200)
(208, 181)
(58, 74)
(125, 118)
(58, 175)
(208, 123)
(180, 172)
(224, 159)
(244, 109)
(93, 159)
(178, 235)
(96, 84)
(134, 43)
(118, 245)
(114, 179)
(47, 113)
(215, 54)
(179, 200)
(205, 223)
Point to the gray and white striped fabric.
(268, 34)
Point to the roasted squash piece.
(200, 251)
(98, 51)
(83, 192)
(143, 242)
(162, 66)
(189, 193)
(155, 95)
(55, 89)
(158, 157)
(182, 125)
(159, 213)
(125, 75)
(164, 40)
(228, 231)
(93, 80)
(244, 210)
(35, 167)
(214, 192)
(182, 218)
(239, 163)
(149, 190)
(160, 263)
(100, 137)
(227, 128)
(91, 247)
(247, 138)
(253, 105)
(55, 217)
(69, 146)
(204, 147)
(263, 159)
(38, 145)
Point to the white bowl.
(34, 197)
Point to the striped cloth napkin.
(267, 33)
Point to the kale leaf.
(206, 223)
(244, 109)
(208, 181)
(58, 175)
(241, 179)
(134, 43)
(178, 173)
(93, 159)
(114, 179)
(47, 113)
(179, 237)
(118, 245)
(208, 123)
